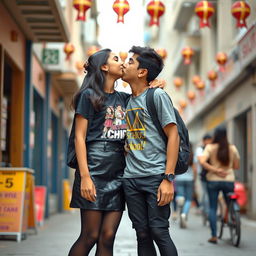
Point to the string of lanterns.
(240, 10)
(203, 9)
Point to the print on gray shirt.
(147, 154)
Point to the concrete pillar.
(28, 105)
(224, 26)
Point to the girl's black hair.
(94, 79)
(220, 137)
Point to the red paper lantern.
(180, 110)
(162, 52)
(187, 54)
(212, 76)
(92, 49)
(200, 85)
(69, 49)
(121, 7)
(123, 55)
(221, 59)
(155, 9)
(82, 6)
(178, 82)
(183, 104)
(196, 79)
(80, 67)
(241, 10)
(204, 11)
(191, 95)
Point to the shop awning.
(40, 20)
(67, 85)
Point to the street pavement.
(60, 231)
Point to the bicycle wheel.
(220, 226)
(234, 224)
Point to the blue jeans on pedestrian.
(205, 198)
(214, 187)
(185, 189)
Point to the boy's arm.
(172, 149)
(166, 188)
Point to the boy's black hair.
(150, 60)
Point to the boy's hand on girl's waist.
(165, 193)
(221, 172)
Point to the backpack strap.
(153, 112)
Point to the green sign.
(51, 56)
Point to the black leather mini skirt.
(106, 162)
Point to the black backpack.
(184, 149)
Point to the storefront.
(12, 82)
(30, 127)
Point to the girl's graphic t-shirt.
(108, 124)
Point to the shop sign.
(16, 193)
(50, 56)
(247, 47)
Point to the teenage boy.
(150, 163)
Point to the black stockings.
(97, 227)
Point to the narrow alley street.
(57, 235)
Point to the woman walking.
(223, 160)
(185, 184)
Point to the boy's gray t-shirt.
(147, 154)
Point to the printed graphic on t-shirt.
(115, 124)
(136, 131)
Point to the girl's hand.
(157, 83)
(88, 190)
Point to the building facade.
(37, 84)
(231, 98)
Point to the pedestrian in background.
(185, 185)
(223, 160)
(207, 139)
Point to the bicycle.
(231, 218)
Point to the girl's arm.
(88, 190)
